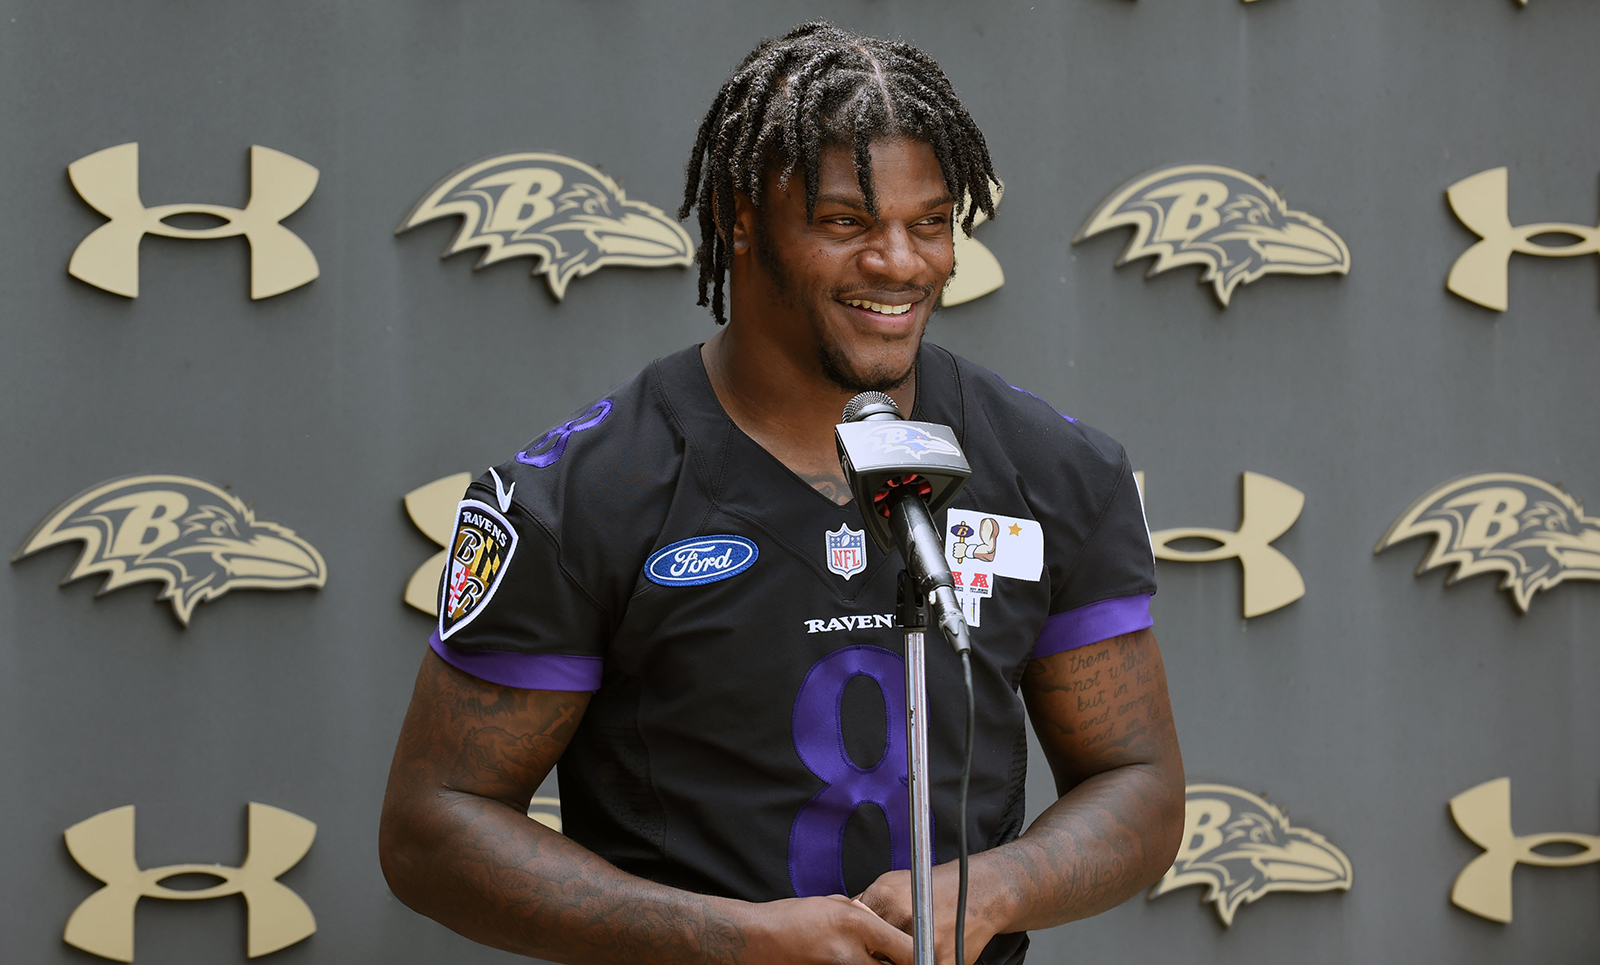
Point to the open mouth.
(879, 307)
(889, 317)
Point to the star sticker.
(1016, 529)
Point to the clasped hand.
(875, 927)
(890, 899)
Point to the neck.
(782, 400)
(774, 391)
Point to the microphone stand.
(912, 615)
(925, 582)
(881, 454)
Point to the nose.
(893, 257)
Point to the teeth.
(879, 307)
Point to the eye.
(219, 528)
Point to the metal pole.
(917, 769)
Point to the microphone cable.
(961, 834)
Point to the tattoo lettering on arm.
(1103, 718)
(1109, 700)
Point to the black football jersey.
(746, 736)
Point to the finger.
(892, 908)
(887, 942)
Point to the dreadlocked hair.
(817, 86)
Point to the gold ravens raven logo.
(562, 212)
(1223, 220)
(197, 539)
(1503, 522)
(1240, 847)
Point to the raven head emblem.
(1505, 522)
(911, 440)
(186, 533)
(1240, 847)
(564, 213)
(1224, 220)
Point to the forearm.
(483, 869)
(1104, 841)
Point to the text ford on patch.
(703, 559)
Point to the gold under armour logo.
(103, 846)
(109, 257)
(1479, 275)
(1270, 508)
(432, 509)
(1483, 814)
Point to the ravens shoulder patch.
(481, 548)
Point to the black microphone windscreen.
(852, 409)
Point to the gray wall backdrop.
(1361, 709)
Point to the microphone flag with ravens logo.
(195, 538)
(1503, 522)
(1241, 848)
(562, 212)
(1223, 220)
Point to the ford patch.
(702, 559)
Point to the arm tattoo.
(1115, 698)
(458, 846)
(1103, 718)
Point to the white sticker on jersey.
(981, 546)
(480, 550)
(994, 544)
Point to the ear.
(744, 223)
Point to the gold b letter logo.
(1479, 275)
(103, 845)
(1270, 509)
(1483, 814)
(109, 257)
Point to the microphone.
(901, 473)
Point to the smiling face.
(850, 293)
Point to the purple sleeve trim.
(529, 671)
(1093, 623)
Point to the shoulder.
(1073, 479)
(596, 483)
(1033, 434)
(624, 426)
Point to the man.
(664, 595)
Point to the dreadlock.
(817, 86)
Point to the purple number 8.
(553, 444)
(816, 840)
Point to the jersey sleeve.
(508, 612)
(1105, 591)
(547, 547)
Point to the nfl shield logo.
(847, 551)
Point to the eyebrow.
(859, 203)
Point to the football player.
(669, 597)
